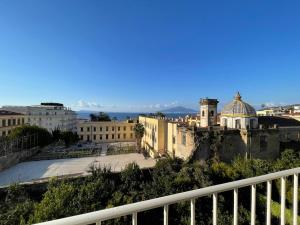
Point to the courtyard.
(37, 170)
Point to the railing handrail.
(116, 212)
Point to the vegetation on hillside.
(105, 189)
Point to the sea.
(125, 115)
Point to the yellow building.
(106, 131)
(10, 120)
(180, 140)
(155, 136)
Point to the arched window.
(203, 113)
(238, 124)
(225, 122)
(212, 113)
(252, 123)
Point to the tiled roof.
(238, 107)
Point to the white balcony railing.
(164, 202)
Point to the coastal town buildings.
(239, 132)
(106, 131)
(50, 116)
(10, 120)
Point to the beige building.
(10, 120)
(155, 136)
(180, 140)
(50, 116)
(106, 132)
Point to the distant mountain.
(179, 109)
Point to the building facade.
(106, 131)
(50, 116)
(208, 112)
(155, 136)
(10, 120)
(240, 133)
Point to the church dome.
(238, 108)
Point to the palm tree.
(139, 131)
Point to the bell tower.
(208, 112)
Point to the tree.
(100, 117)
(69, 138)
(160, 114)
(43, 136)
(56, 134)
(139, 131)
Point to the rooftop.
(280, 121)
(9, 113)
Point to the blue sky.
(142, 55)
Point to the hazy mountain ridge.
(179, 109)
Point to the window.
(88, 137)
(94, 137)
(174, 140)
(203, 113)
(81, 137)
(252, 123)
(225, 122)
(183, 139)
(23, 121)
(106, 128)
(124, 136)
(81, 129)
(100, 136)
(100, 128)
(106, 137)
(3, 123)
(88, 129)
(212, 113)
(94, 129)
(19, 121)
(131, 135)
(238, 124)
(3, 133)
(119, 128)
(124, 128)
(119, 136)
(9, 122)
(113, 128)
(263, 143)
(112, 136)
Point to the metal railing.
(164, 202)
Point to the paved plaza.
(35, 170)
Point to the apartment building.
(10, 120)
(50, 116)
(106, 131)
(155, 136)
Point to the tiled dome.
(238, 108)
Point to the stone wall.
(15, 157)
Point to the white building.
(239, 115)
(48, 115)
